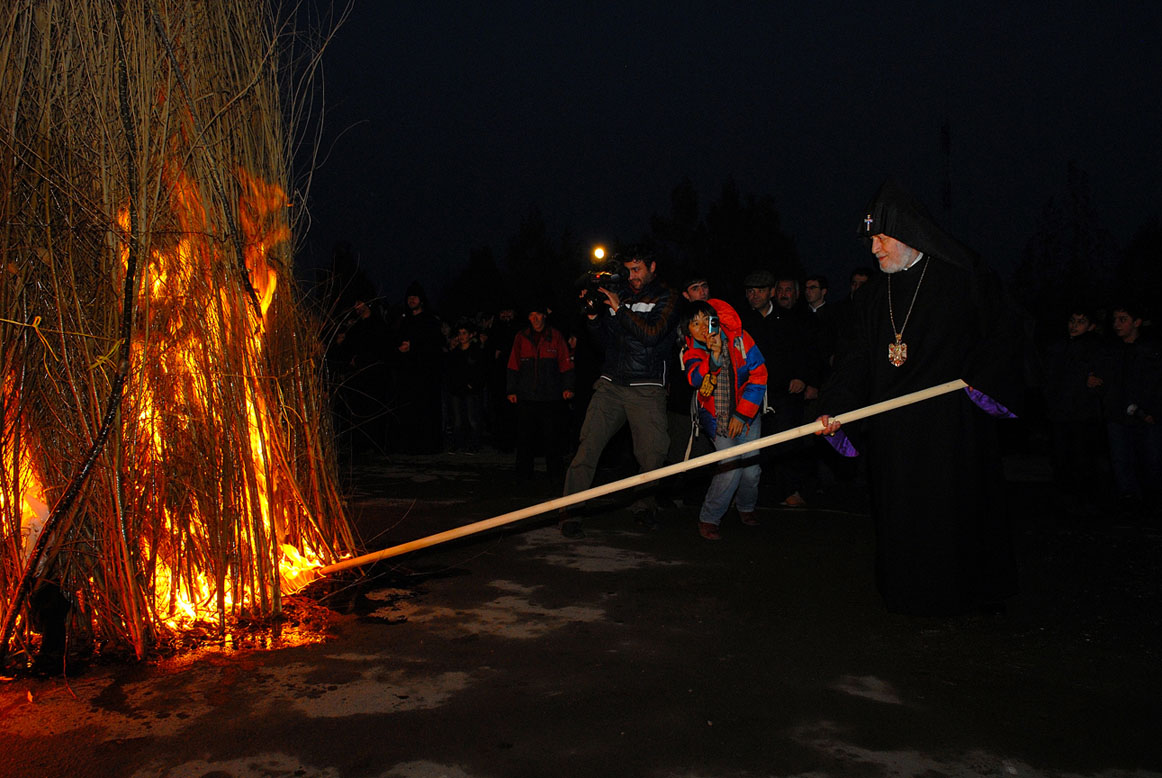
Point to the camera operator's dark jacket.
(639, 339)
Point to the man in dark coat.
(935, 314)
(1073, 406)
(420, 418)
(502, 417)
(357, 357)
(635, 330)
(782, 334)
(1132, 373)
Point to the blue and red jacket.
(749, 382)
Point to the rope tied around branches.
(34, 325)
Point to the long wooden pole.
(643, 478)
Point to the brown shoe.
(748, 518)
(794, 501)
(571, 528)
(708, 531)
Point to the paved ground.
(641, 654)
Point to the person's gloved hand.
(708, 383)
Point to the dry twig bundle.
(161, 409)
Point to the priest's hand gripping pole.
(642, 478)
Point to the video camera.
(609, 276)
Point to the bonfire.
(165, 449)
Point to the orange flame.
(176, 395)
(33, 508)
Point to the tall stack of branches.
(164, 439)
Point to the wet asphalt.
(639, 653)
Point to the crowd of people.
(1102, 393)
(410, 382)
(688, 371)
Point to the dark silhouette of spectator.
(1132, 384)
(859, 277)
(822, 464)
(783, 336)
(465, 375)
(822, 314)
(419, 411)
(842, 311)
(358, 364)
(815, 290)
(1073, 408)
(501, 414)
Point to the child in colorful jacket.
(723, 364)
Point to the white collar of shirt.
(912, 264)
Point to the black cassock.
(943, 543)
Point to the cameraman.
(635, 331)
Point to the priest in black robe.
(936, 313)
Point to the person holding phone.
(729, 376)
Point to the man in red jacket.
(540, 380)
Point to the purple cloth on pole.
(989, 405)
(842, 444)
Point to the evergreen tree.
(1069, 258)
(541, 266)
(745, 232)
(680, 234)
(479, 287)
(1140, 273)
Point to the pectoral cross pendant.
(898, 351)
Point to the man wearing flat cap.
(936, 313)
(785, 343)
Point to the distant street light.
(598, 253)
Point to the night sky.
(448, 121)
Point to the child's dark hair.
(1080, 308)
(1130, 306)
(692, 310)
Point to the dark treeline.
(1070, 258)
(1072, 261)
(735, 234)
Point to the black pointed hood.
(897, 213)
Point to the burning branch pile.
(164, 447)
